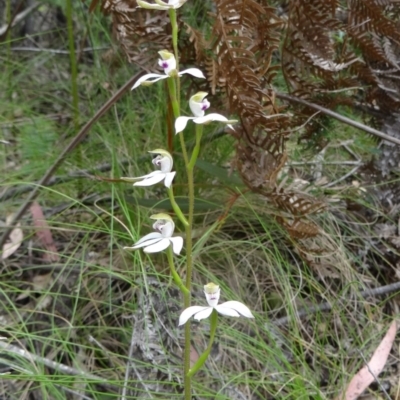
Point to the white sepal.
(158, 246)
(189, 312)
(194, 72)
(239, 307)
(148, 79)
(177, 244)
(180, 123)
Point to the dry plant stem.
(339, 117)
(9, 348)
(379, 291)
(375, 376)
(71, 146)
(203, 358)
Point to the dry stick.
(88, 173)
(74, 142)
(379, 291)
(55, 180)
(375, 376)
(339, 117)
(10, 348)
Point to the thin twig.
(379, 291)
(375, 377)
(15, 191)
(18, 18)
(300, 163)
(339, 117)
(56, 180)
(342, 178)
(57, 51)
(71, 146)
(49, 363)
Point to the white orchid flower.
(229, 308)
(198, 104)
(163, 161)
(158, 241)
(161, 5)
(168, 63)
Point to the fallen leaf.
(366, 375)
(14, 241)
(43, 233)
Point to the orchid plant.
(163, 239)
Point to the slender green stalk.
(174, 90)
(74, 78)
(196, 150)
(177, 113)
(72, 59)
(174, 26)
(8, 37)
(174, 274)
(189, 267)
(203, 358)
(176, 208)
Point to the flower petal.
(194, 72)
(229, 312)
(203, 314)
(147, 77)
(211, 117)
(152, 180)
(157, 247)
(177, 244)
(169, 177)
(133, 179)
(162, 4)
(189, 312)
(180, 123)
(151, 6)
(144, 244)
(237, 306)
(149, 236)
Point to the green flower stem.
(176, 208)
(196, 150)
(189, 267)
(174, 91)
(174, 274)
(176, 109)
(203, 358)
(172, 95)
(174, 26)
(74, 80)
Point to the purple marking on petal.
(164, 64)
(205, 104)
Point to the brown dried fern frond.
(245, 37)
(297, 203)
(260, 167)
(141, 33)
(299, 229)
